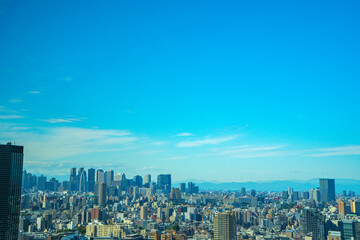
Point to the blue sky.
(220, 91)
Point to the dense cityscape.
(98, 204)
(179, 120)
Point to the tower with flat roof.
(327, 190)
(225, 226)
(164, 181)
(102, 194)
(11, 158)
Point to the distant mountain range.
(297, 185)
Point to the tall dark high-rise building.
(11, 158)
(72, 180)
(41, 183)
(190, 187)
(138, 180)
(91, 179)
(183, 187)
(327, 190)
(164, 181)
(72, 174)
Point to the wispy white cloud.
(248, 151)
(7, 126)
(184, 134)
(34, 92)
(11, 116)
(158, 143)
(8, 111)
(336, 151)
(61, 142)
(20, 128)
(150, 152)
(15, 100)
(206, 141)
(62, 120)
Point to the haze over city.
(230, 91)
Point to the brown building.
(143, 212)
(175, 195)
(95, 213)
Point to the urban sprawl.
(104, 205)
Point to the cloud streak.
(61, 142)
(11, 116)
(336, 151)
(184, 134)
(62, 120)
(207, 141)
(15, 100)
(247, 151)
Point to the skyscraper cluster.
(125, 207)
(94, 197)
(190, 189)
(80, 181)
(94, 180)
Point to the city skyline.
(73, 182)
(122, 208)
(226, 92)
